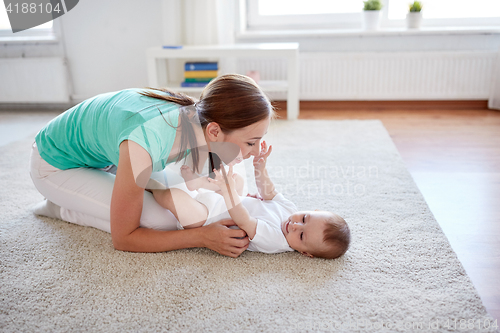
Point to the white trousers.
(84, 195)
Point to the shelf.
(230, 50)
(266, 86)
(158, 57)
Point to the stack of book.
(198, 74)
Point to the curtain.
(208, 22)
(197, 22)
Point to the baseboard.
(387, 105)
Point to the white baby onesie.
(269, 214)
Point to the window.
(447, 13)
(283, 14)
(444, 9)
(346, 14)
(43, 30)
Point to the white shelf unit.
(158, 76)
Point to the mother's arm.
(126, 209)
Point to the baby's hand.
(222, 181)
(259, 161)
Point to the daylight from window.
(397, 9)
(287, 7)
(436, 9)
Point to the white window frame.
(348, 21)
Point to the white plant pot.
(413, 20)
(371, 19)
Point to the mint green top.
(89, 134)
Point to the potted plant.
(371, 14)
(414, 16)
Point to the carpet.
(400, 274)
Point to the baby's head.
(317, 234)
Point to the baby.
(271, 222)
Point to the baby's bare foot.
(193, 182)
(187, 173)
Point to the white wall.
(106, 43)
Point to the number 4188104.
(32, 8)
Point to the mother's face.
(246, 138)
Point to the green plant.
(372, 5)
(415, 7)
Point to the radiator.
(33, 80)
(385, 76)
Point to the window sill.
(424, 31)
(47, 39)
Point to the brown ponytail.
(233, 101)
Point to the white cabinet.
(158, 76)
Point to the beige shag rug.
(400, 274)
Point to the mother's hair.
(233, 101)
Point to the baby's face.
(304, 230)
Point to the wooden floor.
(452, 150)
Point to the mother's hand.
(221, 239)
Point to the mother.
(140, 131)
